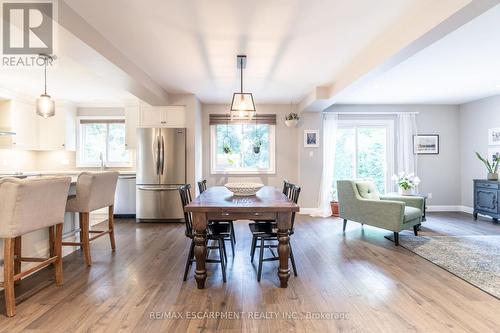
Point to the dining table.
(219, 204)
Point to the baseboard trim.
(306, 211)
(450, 208)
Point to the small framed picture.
(311, 138)
(426, 144)
(494, 136)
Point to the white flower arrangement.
(406, 181)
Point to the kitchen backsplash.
(24, 161)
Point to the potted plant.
(492, 167)
(291, 119)
(334, 203)
(406, 182)
(256, 146)
(227, 148)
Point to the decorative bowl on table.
(244, 189)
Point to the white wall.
(286, 147)
(475, 120)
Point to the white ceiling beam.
(383, 56)
(100, 56)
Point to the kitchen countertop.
(74, 173)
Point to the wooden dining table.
(218, 203)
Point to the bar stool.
(94, 190)
(25, 206)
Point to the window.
(365, 150)
(234, 148)
(102, 137)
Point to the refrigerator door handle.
(162, 155)
(156, 148)
(157, 189)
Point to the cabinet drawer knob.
(225, 214)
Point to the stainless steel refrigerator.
(161, 168)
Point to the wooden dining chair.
(202, 186)
(268, 232)
(216, 233)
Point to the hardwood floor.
(381, 288)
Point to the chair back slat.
(292, 192)
(185, 194)
(202, 186)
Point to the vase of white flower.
(406, 182)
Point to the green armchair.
(361, 202)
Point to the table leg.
(284, 225)
(200, 247)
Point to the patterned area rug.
(475, 259)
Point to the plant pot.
(335, 208)
(291, 123)
(405, 192)
(492, 176)
(256, 150)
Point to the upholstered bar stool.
(94, 190)
(25, 206)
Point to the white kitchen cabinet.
(125, 195)
(20, 117)
(58, 132)
(132, 115)
(163, 116)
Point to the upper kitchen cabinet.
(58, 132)
(163, 116)
(20, 117)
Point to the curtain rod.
(367, 113)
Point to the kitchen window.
(243, 147)
(102, 140)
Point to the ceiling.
(462, 67)
(66, 80)
(293, 46)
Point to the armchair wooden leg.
(17, 257)
(80, 218)
(345, 224)
(396, 238)
(111, 222)
(58, 253)
(8, 268)
(415, 229)
(86, 241)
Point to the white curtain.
(407, 128)
(330, 122)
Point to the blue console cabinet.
(486, 198)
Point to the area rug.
(475, 259)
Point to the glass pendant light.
(242, 105)
(45, 106)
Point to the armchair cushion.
(412, 213)
(367, 190)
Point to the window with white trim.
(242, 148)
(102, 139)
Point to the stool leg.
(80, 219)
(17, 257)
(58, 253)
(85, 241)
(111, 222)
(8, 268)
(51, 241)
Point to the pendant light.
(242, 105)
(45, 106)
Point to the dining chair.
(202, 186)
(28, 205)
(94, 190)
(215, 232)
(268, 232)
